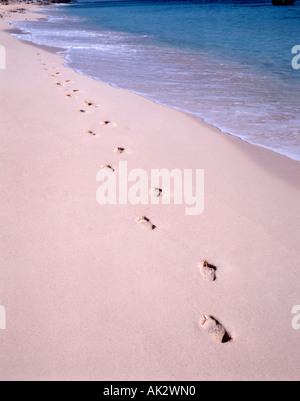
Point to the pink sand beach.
(89, 294)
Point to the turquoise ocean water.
(227, 61)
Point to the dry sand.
(89, 294)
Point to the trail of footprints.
(208, 271)
(209, 323)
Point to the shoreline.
(201, 119)
(91, 296)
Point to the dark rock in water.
(283, 2)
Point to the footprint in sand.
(215, 329)
(91, 104)
(145, 223)
(105, 123)
(90, 132)
(156, 192)
(70, 96)
(119, 151)
(59, 84)
(81, 111)
(208, 271)
(108, 167)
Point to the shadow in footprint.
(227, 338)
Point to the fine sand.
(91, 295)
